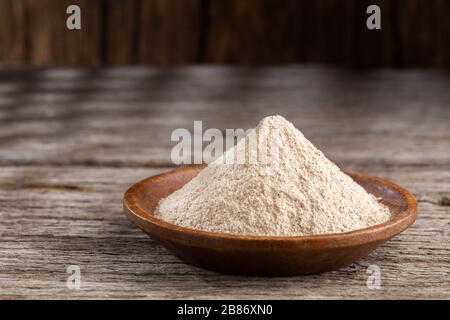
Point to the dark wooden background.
(415, 33)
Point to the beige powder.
(306, 194)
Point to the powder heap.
(306, 194)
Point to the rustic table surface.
(73, 140)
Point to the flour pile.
(305, 195)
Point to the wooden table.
(73, 140)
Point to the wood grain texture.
(73, 140)
(48, 41)
(374, 48)
(72, 215)
(82, 116)
(85, 46)
(309, 31)
(121, 32)
(168, 31)
(443, 30)
(413, 33)
(240, 31)
(12, 31)
(416, 23)
(265, 255)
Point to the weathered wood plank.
(53, 217)
(125, 116)
(443, 30)
(12, 31)
(121, 30)
(73, 140)
(415, 22)
(172, 32)
(48, 41)
(85, 46)
(241, 31)
(373, 48)
(168, 32)
(324, 37)
(265, 32)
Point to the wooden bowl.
(265, 256)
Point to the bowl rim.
(395, 225)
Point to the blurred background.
(414, 34)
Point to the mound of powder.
(305, 194)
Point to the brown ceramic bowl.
(265, 256)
